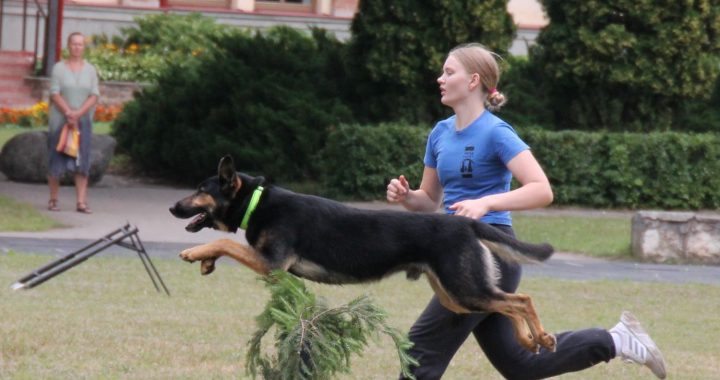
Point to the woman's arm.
(87, 104)
(71, 114)
(426, 198)
(535, 191)
(60, 103)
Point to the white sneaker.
(636, 345)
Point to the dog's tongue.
(194, 225)
(199, 218)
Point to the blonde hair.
(476, 59)
(73, 34)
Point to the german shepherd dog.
(325, 241)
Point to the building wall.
(345, 8)
(99, 19)
(109, 16)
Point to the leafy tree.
(700, 115)
(627, 63)
(398, 48)
(526, 104)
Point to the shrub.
(631, 170)
(699, 115)
(526, 104)
(142, 52)
(359, 160)
(398, 48)
(173, 33)
(625, 63)
(265, 99)
(114, 64)
(628, 170)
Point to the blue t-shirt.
(472, 163)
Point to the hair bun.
(496, 100)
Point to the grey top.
(74, 87)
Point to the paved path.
(118, 200)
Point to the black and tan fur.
(325, 241)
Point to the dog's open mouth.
(199, 222)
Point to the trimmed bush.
(631, 170)
(358, 161)
(266, 99)
(626, 170)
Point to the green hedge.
(628, 170)
(634, 170)
(359, 160)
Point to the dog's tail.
(508, 248)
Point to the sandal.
(83, 208)
(52, 205)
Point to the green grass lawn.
(596, 236)
(602, 237)
(18, 216)
(8, 131)
(104, 319)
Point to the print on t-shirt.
(466, 167)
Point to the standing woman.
(470, 160)
(73, 94)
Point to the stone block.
(24, 158)
(679, 237)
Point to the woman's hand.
(72, 116)
(398, 189)
(471, 208)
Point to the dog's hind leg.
(517, 307)
(208, 253)
(521, 311)
(445, 299)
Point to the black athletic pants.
(438, 333)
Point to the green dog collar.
(251, 207)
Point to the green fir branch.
(311, 340)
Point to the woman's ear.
(474, 81)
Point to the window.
(200, 3)
(285, 5)
(286, 1)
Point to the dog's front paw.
(191, 255)
(207, 266)
(187, 255)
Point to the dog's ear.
(229, 180)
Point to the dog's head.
(214, 203)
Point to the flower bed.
(29, 117)
(37, 115)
